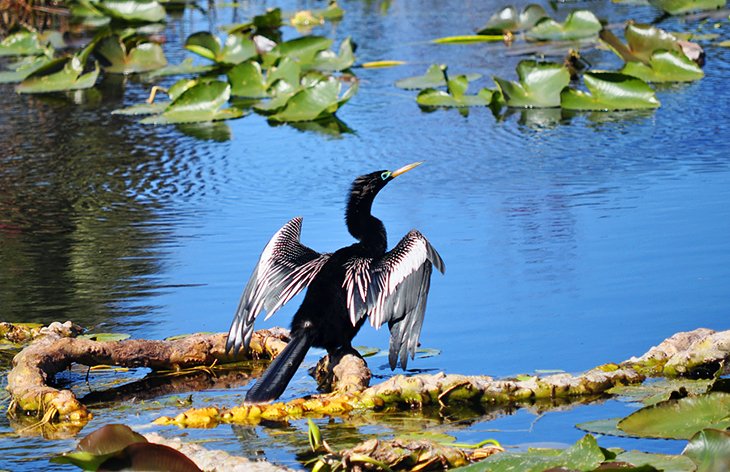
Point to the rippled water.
(570, 240)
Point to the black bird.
(343, 287)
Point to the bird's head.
(367, 186)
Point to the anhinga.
(343, 287)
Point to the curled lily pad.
(679, 419)
(678, 7)
(150, 11)
(578, 25)
(201, 102)
(98, 446)
(319, 100)
(644, 40)
(709, 449)
(131, 55)
(539, 86)
(235, 50)
(24, 68)
(610, 91)
(65, 73)
(583, 455)
(455, 96)
(434, 77)
(665, 66)
(247, 80)
(303, 50)
(23, 43)
(511, 19)
(329, 61)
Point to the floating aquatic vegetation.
(64, 73)
(147, 11)
(24, 43)
(511, 19)
(200, 103)
(539, 86)
(329, 61)
(454, 95)
(678, 7)
(665, 66)
(434, 77)
(130, 55)
(247, 80)
(236, 49)
(579, 24)
(709, 449)
(316, 101)
(303, 50)
(185, 67)
(609, 91)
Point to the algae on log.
(35, 365)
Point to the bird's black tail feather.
(275, 379)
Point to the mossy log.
(54, 352)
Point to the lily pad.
(143, 109)
(303, 50)
(644, 40)
(610, 91)
(578, 25)
(236, 49)
(132, 55)
(200, 103)
(511, 19)
(329, 61)
(651, 392)
(679, 419)
(23, 43)
(286, 70)
(185, 67)
(606, 427)
(23, 69)
(678, 7)
(709, 449)
(455, 96)
(149, 11)
(663, 462)
(65, 73)
(320, 100)
(583, 455)
(539, 86)
(247, 80)
(665, 66)
(434, 77)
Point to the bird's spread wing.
(285, 267)
(394, 288)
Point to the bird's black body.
(344, 288)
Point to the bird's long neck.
(363, 226)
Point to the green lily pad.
(149, 11)
(434, 77)
(65, 73)
(539, 85)
(663, 462)
(651, 392)
(23, 43)
(329, 61)
(303, 50)
(143, 109)
(644, 40)
(319, 100)
(133, 55)
(511, 19)
(235, 50)
(185, 67)
(201, 102)
(610, 91)
(678, 7)
(584, 455)
(578, 25)
(247, 80)
(709, 449)
(286, 70)
(679, 419)
(607, 427)
(455, 96)
(468, 39)
(23, 69)
(665, 66)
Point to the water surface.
(570, 240)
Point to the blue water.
(569, 240)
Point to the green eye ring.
(385, 175)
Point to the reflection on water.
(572, 239)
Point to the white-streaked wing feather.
(285, 267)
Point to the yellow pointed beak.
(405, 169)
